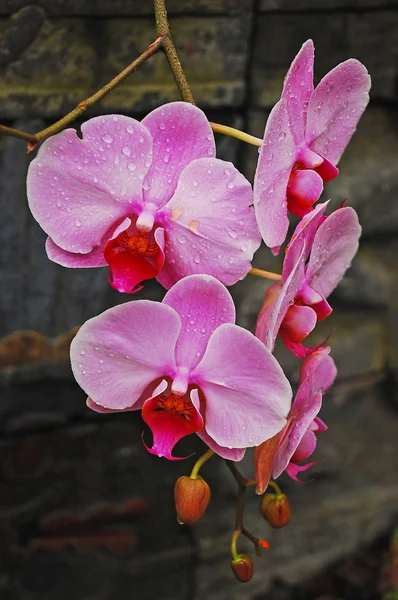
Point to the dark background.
(85, 512)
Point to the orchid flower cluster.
(149, 200)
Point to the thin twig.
(163, 29)
(236, 133)
(81, 108)
(265, 274)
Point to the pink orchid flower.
(190, 369)
(293, 306)
(148, 199)
(305, 135)
(297, 441)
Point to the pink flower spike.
(298, 440)
(179, 360)
(292, 306)
(305, 136)
(131, 194)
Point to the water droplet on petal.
(108, 139)
(130, 129)
(162, 126)
(126, 150)
(78, 224)
(131, 166)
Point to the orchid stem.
(265, 274)
(163, 29)
(236, 133)
(276, 488)
(81, 108)
(200, 462)
(243, 483)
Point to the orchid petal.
(245, 405)
(298, 322)
(303, 236)
(318, 370)
(305, 187)
(235, 454)
(306, 447)
(264, 455)
(78, 187)
(211, 226)
(153, 389)
(292, 469)
(181, 133)
(202, 304)
(310, 405)
(95, 258)
(167, 428)
(335, 108)
(127, 269)
(335, 245)
(277, 157)
(317, 374)
(118, 353)
(274, 308)
(298, 87)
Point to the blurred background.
(85, 512)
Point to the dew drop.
(162, 126)
(126, 151)
(78, 223)
(281, 136)
(108, 139)
(130, 129)
(231, 185)
(197, 259)
(131, 166)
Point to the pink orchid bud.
(243, 568)
(192, 497)
(275, 509)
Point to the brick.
(131, 8)
(67, 62)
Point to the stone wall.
(84, 511)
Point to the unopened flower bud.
(192, 497)
(275, 509)
(242, 567)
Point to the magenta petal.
(202, 304)
(277, 157)
(299, 321)
(302, 415)
(235, 454)
(335, 245)
(181, 133)
(335, 108)
(306, 447)
(327, 170)
(211, 227)
(117, 354)
(167, 428)
(292, 469)
(95, 258)
(318, 371)
(275, 307)
(78, 187)
(302, 237)
(298, 87)
(305, 186)
(316, 375)
(247, 394)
